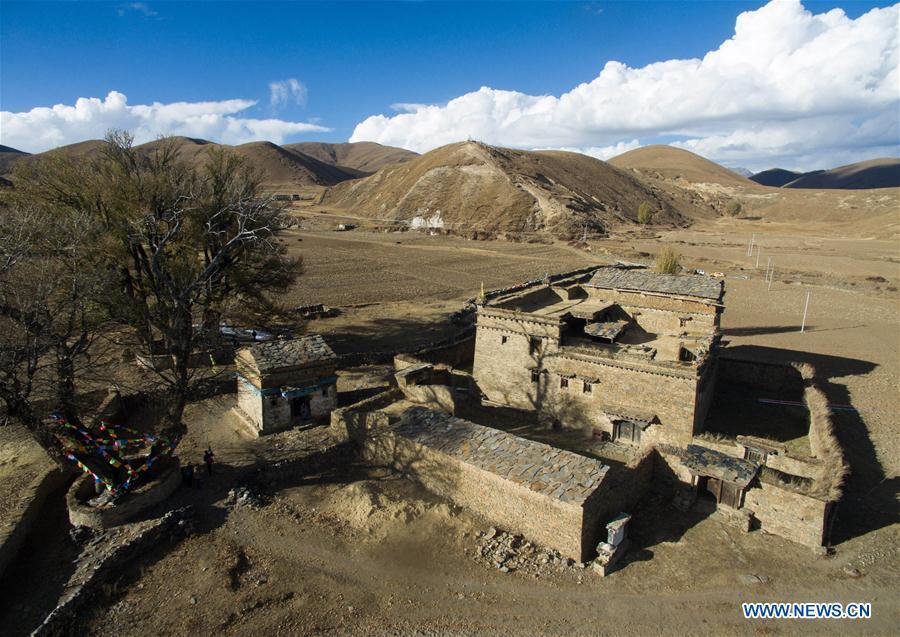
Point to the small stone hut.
(285, 383)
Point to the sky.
(797, 85)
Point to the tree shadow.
(869, 499)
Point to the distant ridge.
(775, 177)
(874, 173)
(282, 167)
(365, 157)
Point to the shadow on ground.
(869, 502)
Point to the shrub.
(645, 213)
(667, 261)
(734, 208)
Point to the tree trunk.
(65, 385)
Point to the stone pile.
(245, 496)
(509, 553)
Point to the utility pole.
(768, 265)
(750, 249)
(771, 278)
(805, 308)
(757, 257)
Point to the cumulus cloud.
(89, 118)
(283, 92)
(788, 87)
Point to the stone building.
(628, 352)
(632, 360)
(285, 383)
(552, 496)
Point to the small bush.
(734, 208)
(645, 213)
(667, 261)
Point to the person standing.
(187, 475)
(208, 458)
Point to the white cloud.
(407, 107)
(138, 7)
(285, 91)
(601, 152)
(787, 86)
(89, 118)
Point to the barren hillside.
(365, 157)
(875, 173)
(677, 164)
(471, 186)
(691, 179)
(280, 165)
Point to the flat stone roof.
(552, 472)
(296, 352)
(704, 287)
(715, 464)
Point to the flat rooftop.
(639, 280)
(555, 473)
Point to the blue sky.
(353, 60)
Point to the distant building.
(285, 383)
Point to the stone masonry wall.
(791, 515)
(539, 518)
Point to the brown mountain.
(472, 186)
(365, 157)
(775, 177)
(282, 167)
(874, 173)
(677, 164)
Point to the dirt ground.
(368, 552)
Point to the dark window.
(586, 388)
(686, 355)
(563, 383)
(534, 345)
(535, 376)
(324, 391)
(503, 340)
(755, 455)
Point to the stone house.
(628, 352)
(285, 383)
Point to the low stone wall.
(759, 374)
(351, 423)
(795, 516)
(107, 561)
(18, 523)
(133, 504)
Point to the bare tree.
(48, 316)
(188, 244)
